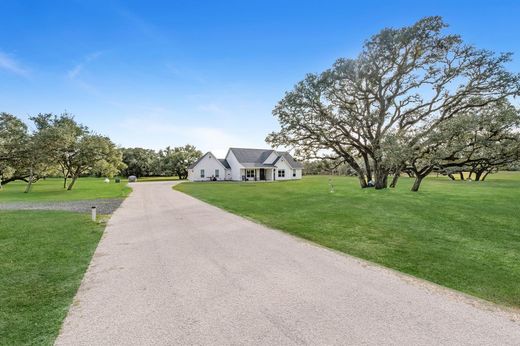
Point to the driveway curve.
(172, 270)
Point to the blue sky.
(158, 73)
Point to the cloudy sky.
(158, 73)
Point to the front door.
(262, 174)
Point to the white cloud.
(157, 134)
(11, 65)
(76, 70)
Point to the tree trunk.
(486, 174)
(380, 176)
(368, 169)
(362, 181)
(355, 166)
(397, 174)
(478, 175)
(470, 173)
(29, 183)
(461, 174)
(393, 184)
(74, 178)
(417, 183)
(65, 173)
(451, 176)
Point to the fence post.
(93, 213)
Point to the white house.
(246, 164)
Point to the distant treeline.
(167, 162)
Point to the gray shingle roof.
(254, 158)
(251, 156)
(222, 161)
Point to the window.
(250, 173)
(216, 173)
(281, 173)
(294, 173)
(202, 173)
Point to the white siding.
(282, 164)
(209, 164)
(235, 166)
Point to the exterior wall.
(209, 164)
(235, 166)
(282, 164)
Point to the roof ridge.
(252, 149)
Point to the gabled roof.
(252, 156)
(255, 158)
(223, 162)
(290, 160)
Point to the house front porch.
(258, 174)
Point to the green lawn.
(43, 256)
(460, 234)
(51, 189)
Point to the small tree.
(140, 162)
(93, 152)
(178, 159)
(59, 135)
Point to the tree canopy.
(406, 85)
(58, 143)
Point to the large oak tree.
(405, 83)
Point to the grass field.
(460, 234)
(43, 256)
(51, 189)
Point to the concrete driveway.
(171, 270)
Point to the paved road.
(173, 270)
